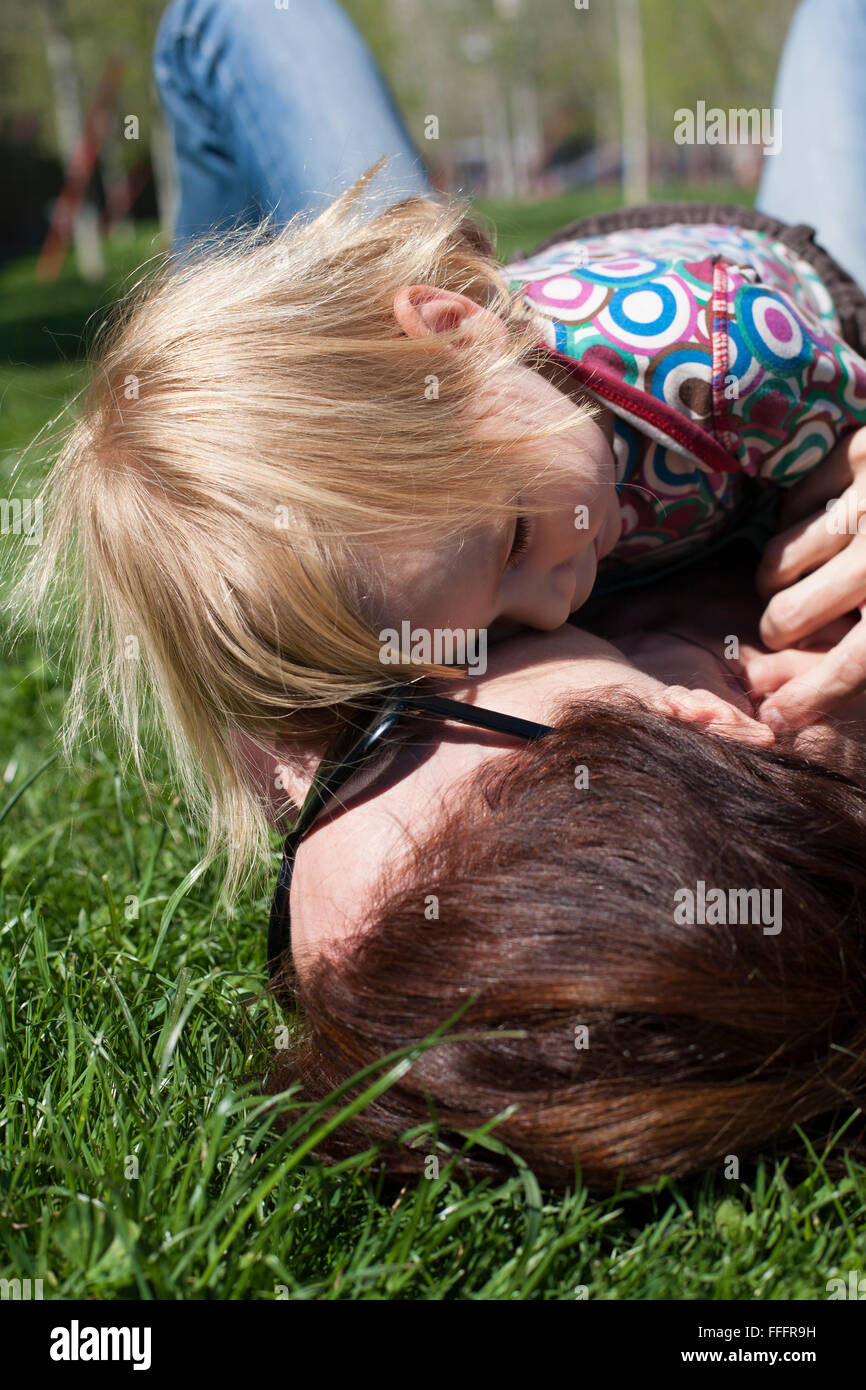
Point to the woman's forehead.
(340, 864)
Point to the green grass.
(521, 226)
(140, 1160)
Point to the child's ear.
(422, 310)
(713, 713)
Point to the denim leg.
(820, 175)
(274, 110)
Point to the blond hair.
(254, 414)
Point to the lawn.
(139, 1159)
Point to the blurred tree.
(93, 30)
(70, 133)
(509, 80)
(533, 73)
(632, 85)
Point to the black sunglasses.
(353, 748)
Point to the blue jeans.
(279, 109)
(820, 175)
(274, 110)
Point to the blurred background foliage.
(528, 94)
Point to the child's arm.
(814, 574)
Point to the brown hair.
(556, 910)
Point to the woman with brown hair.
(545, 887)
(650, 915)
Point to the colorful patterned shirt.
(720, 352)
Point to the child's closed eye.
(520, 543)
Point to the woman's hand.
(814, 574)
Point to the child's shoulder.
(621, 251)
(716, 343)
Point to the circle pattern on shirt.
(741, 361)
(622, 270)
(684, 379)
(771, 329)
(567, 298)
(648, 317)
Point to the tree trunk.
(632, 84)
(164, 174)
(70, 128)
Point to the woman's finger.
(801, 549)
(767, 671)
(828, 480)
(803, 700)
(837, 587)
